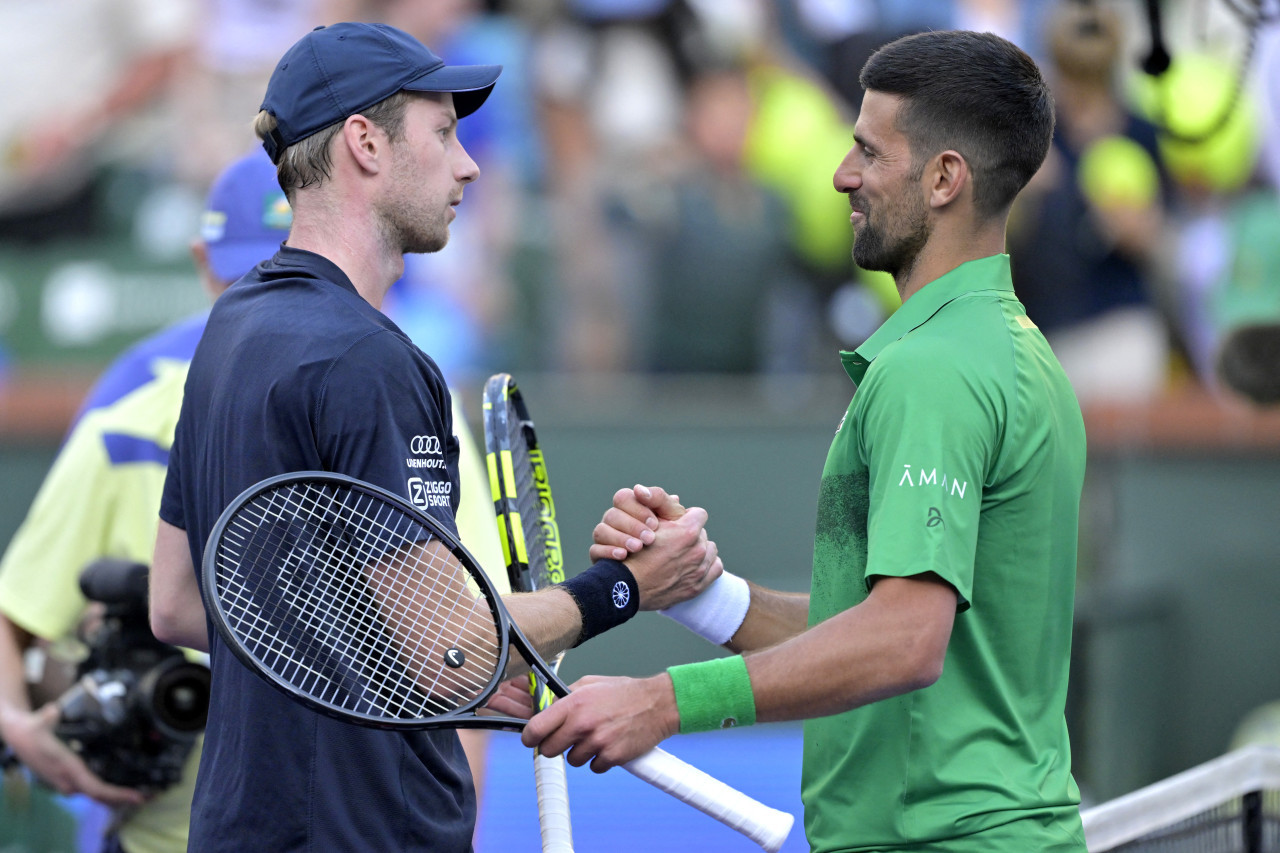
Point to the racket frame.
(508, 632)
(502, 404)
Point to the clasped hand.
(608, 721)
(665, 545)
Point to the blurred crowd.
(656, 174)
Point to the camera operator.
(101, 499)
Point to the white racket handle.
(765, 826)
(553, 803)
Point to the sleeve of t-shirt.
(384, 417)
(67, 525)
(928, 432)
(171, 507)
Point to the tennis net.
(1226, 805)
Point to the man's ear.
(209, 280)
(949, 177)
(365, 142)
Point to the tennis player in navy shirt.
(298, 369)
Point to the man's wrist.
(713, 694)
(606, 595)
(668, 710)
(717, 612)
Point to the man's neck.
(947, 250)
(359, 252)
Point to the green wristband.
(713, 694)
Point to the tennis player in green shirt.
(930, 658)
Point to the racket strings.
(407, 586)
(380, 670)
(307, 643)
(349, 600)
(311, 635)
(258, 545)
(389, 681)
(425, 577)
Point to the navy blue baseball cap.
(336, 71)
(246, 217)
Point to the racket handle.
(553, 803)
(765, 826)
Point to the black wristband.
(607, 596)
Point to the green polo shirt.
(962, 454)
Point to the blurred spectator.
(238, 44)
(1246, 290)
(85, 84)
(1248, 361)
(713, 245)
(838, 36)
(1221, 258)
(799, 134)
(1084, 232)
(607, 84)
(644, 189)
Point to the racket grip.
(765, 826)
(553, 803)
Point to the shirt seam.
(1016, 402)
(323, 396)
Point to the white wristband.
(717, 612)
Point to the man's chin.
(872, 263)
(426, 247)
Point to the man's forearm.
(772, 618)
(549, 618)
(177, 611)
(13, 687)
(892, 643)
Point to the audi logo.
(425, 444)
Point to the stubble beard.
(412, 224)
(873, 250)
(422, 234)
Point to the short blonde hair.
(308, 162)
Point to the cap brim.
(469, 84)
(232, 261)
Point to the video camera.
(138, 705)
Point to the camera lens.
(177, 696)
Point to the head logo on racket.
(454, 657)
(621, 595)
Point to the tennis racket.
(358, 605)
(531, 546)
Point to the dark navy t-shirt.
(295, 371)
